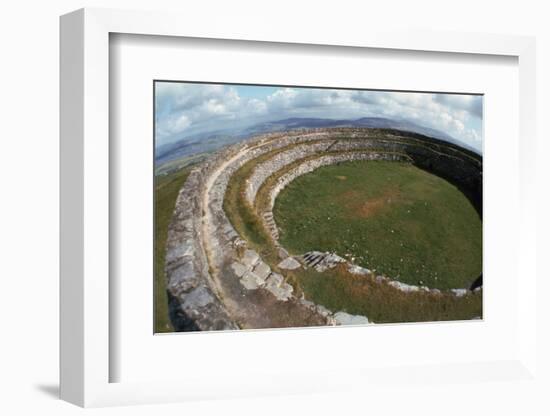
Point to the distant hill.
(188, 146)
(372, 122)
(207, 142)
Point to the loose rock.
(262, 270)
(290, 263)
(358, 270)
(183, 279)
(403, 286)
(251, 281)
(198, 298)
(276, 285)
(239, 269)
(459, 292)
(343, 318)
(250, 258)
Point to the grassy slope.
(166, 193)
(242, 215)
(395, 218)
(339, 290)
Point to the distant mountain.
(372, 122)
(207, 142)
(200, 143)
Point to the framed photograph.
(287, 207)
(245, 215)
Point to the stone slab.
(250, 258)
(239, 268)
(262, 270)
(459, 292)
(197, 299)
(251, 281)
(290, 263)
(183, 279)
(283, 292)
(343, 318)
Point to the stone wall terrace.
(194, 303)
(279, 161)
(201, 240)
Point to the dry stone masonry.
(215, 282)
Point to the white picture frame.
(85, 164)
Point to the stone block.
(274, 280)
(323, 311)
(197, 299)
(182, 279)
(250, 258)
(174, 254)
(276, 285)
(239, 269)
(290, 263)
(343, 318)
(262, 270)
(403, 286)
(251, 281)
(283, 292)
(354, 269)
(459, 292)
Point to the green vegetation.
(242, 215)
(338, 289)
(166, 193)
(392, 217)
(173, 166)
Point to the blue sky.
(187, 109)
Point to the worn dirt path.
(207, 229)
(249, 308)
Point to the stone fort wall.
(201, 238)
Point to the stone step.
(311, 258)
(271, 225)
(316, 261)
(321, 261)
(308, 256)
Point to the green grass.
(242, 215)
(166, 193)
(393, 217)
(338, 289)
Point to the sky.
(187, 109)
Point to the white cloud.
(185, 109)
(470, 104)
(256, 106)
(182, 123)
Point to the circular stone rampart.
(215, 282)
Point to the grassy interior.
(338, 289)
(392, 217)
(166, 192)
